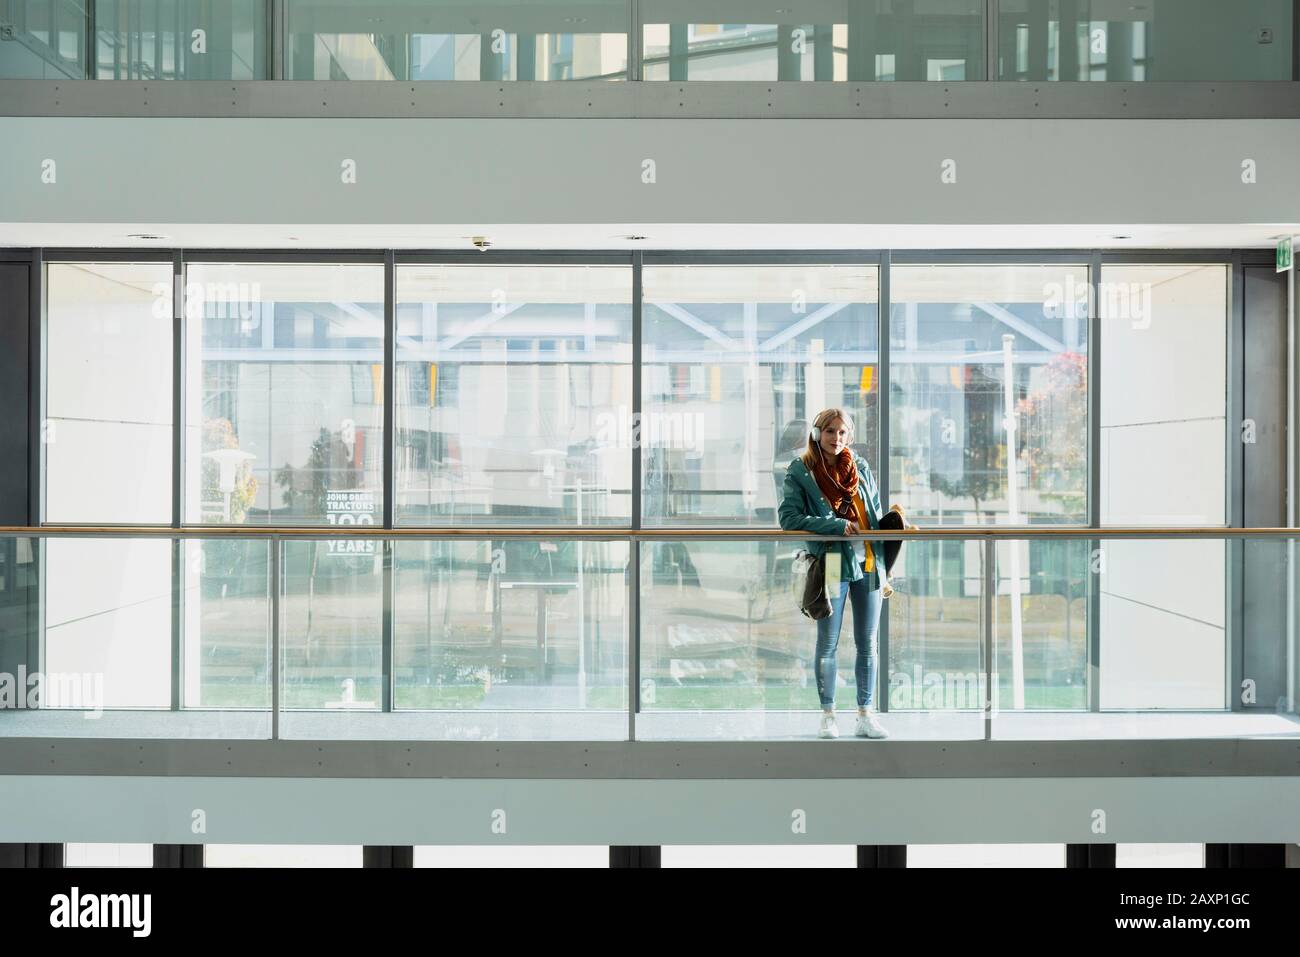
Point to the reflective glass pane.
(984, 359)
(514, 395)
(936, 653)
(87, 631)
(181, 40)
(448, 40)
(20, 562)
(284, 393)
(726, 653)
(1185, 40)
(514, 638)
(226, 652)
(107, 434)
(737, 362)
(330, 635)
(845, 40)
(42, 40)
(1041, 626)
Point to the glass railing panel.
(331, 637)
(937, 675)
(181, 40)
(42, 40)
(817, 40)
(524, 637)
(1191, 639)
(1040, 618)
(726, 653)
(1188, 40)
(226, 630)
(510, 639)
(134, 637)
(510, 40)
(20, 562)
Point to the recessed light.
(146, 236)
(634, 238)
(1121, 236)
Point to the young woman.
(829, 490)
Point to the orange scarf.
(838, 479)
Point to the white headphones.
(816, 434)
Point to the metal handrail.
(616, 533)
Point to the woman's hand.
(851, 528)
(886, 590)
(903, 516)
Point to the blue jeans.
(866, 617)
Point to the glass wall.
(737, 360)
(514, 395)
(988, 425)
(846, 40)
(284, 405)
(42, 39)
(988, 367)
(447, 40)
(180, 40)
(107, 432)
(515, 407)
(1160, 40)
(514, 40)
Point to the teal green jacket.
(804, 508)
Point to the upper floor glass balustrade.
(557, 518)
(528, 635)
(671, 40)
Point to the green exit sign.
(1284, 253)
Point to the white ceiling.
(613, 236)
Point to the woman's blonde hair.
(824, 418)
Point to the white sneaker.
(869, 727)
(828, 728)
